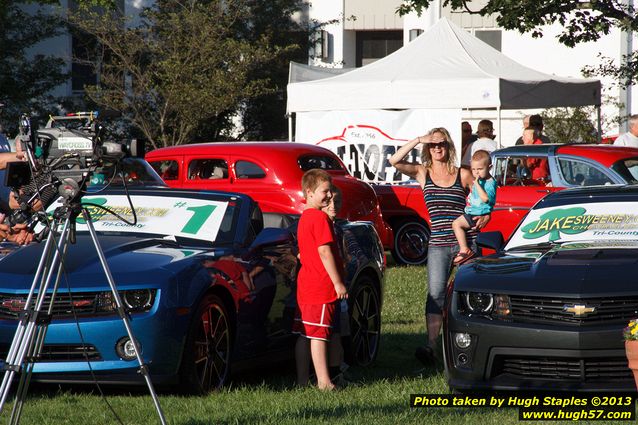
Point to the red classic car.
(270, 173)
(567, 165)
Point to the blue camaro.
(208, 282)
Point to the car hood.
(130, 259)
(572, 269)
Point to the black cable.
(82, 340)
(110, 211)
(77, 324)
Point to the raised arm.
(397, 160)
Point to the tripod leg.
(23, 337)
(35, 349)
(125, 320)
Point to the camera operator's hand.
(6, 157)
(13, 201)
(18, 234)
(14, 204)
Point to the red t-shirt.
(538, 166)
(314, 285)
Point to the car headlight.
(478, 302)
(138, 299)
(481, 303)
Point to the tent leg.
(599, 124)
(498, 125)
(290, 127)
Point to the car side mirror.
(491, 240)
(271, 236)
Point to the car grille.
(565, 369)
(83, 304)
(608, 311)
(62, 353)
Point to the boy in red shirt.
(319, 284)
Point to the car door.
(265, 315)
(253, 176)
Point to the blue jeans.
(439, 267)
(440, 260)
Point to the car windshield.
(136, 172)
(596, 221)
(628, 169)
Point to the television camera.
(60, 160)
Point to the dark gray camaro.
(547, 311)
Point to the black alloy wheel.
(206, 364)
(365, 323)
(411, 242)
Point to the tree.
(25, 80)
(582, 21)
(263, 117)
(182, 69)
(564, 125)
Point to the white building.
(362, 31)
(68, 46)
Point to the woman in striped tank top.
(445, 188)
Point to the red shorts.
(316, 321)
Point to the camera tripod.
(30, 334)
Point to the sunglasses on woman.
(437, 145)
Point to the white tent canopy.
(446, 67)
(299, 72)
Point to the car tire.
(362, 346)
(411, 239)
(206, 360)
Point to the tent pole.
(498, 125)
(599, 125)
(290, 127)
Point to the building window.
(491, 37)
(415, 33)
(83, 51)
(374, 45)
(325, 46)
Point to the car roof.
(604, 154)
(607, 155)
(290, 148)
(588, 194)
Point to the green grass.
(380, 394)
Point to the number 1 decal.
(200, 215)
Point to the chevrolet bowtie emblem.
(578, 309)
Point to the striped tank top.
(444, 205)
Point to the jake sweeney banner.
(585, 222)
(365, 140)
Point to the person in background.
(336, 362)
(5, 147)
(538, 166)
(629, 138)
(536, 121)
(467, 138)
(320, 285)
(445, 188)
(485, 141)
(519, 141)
